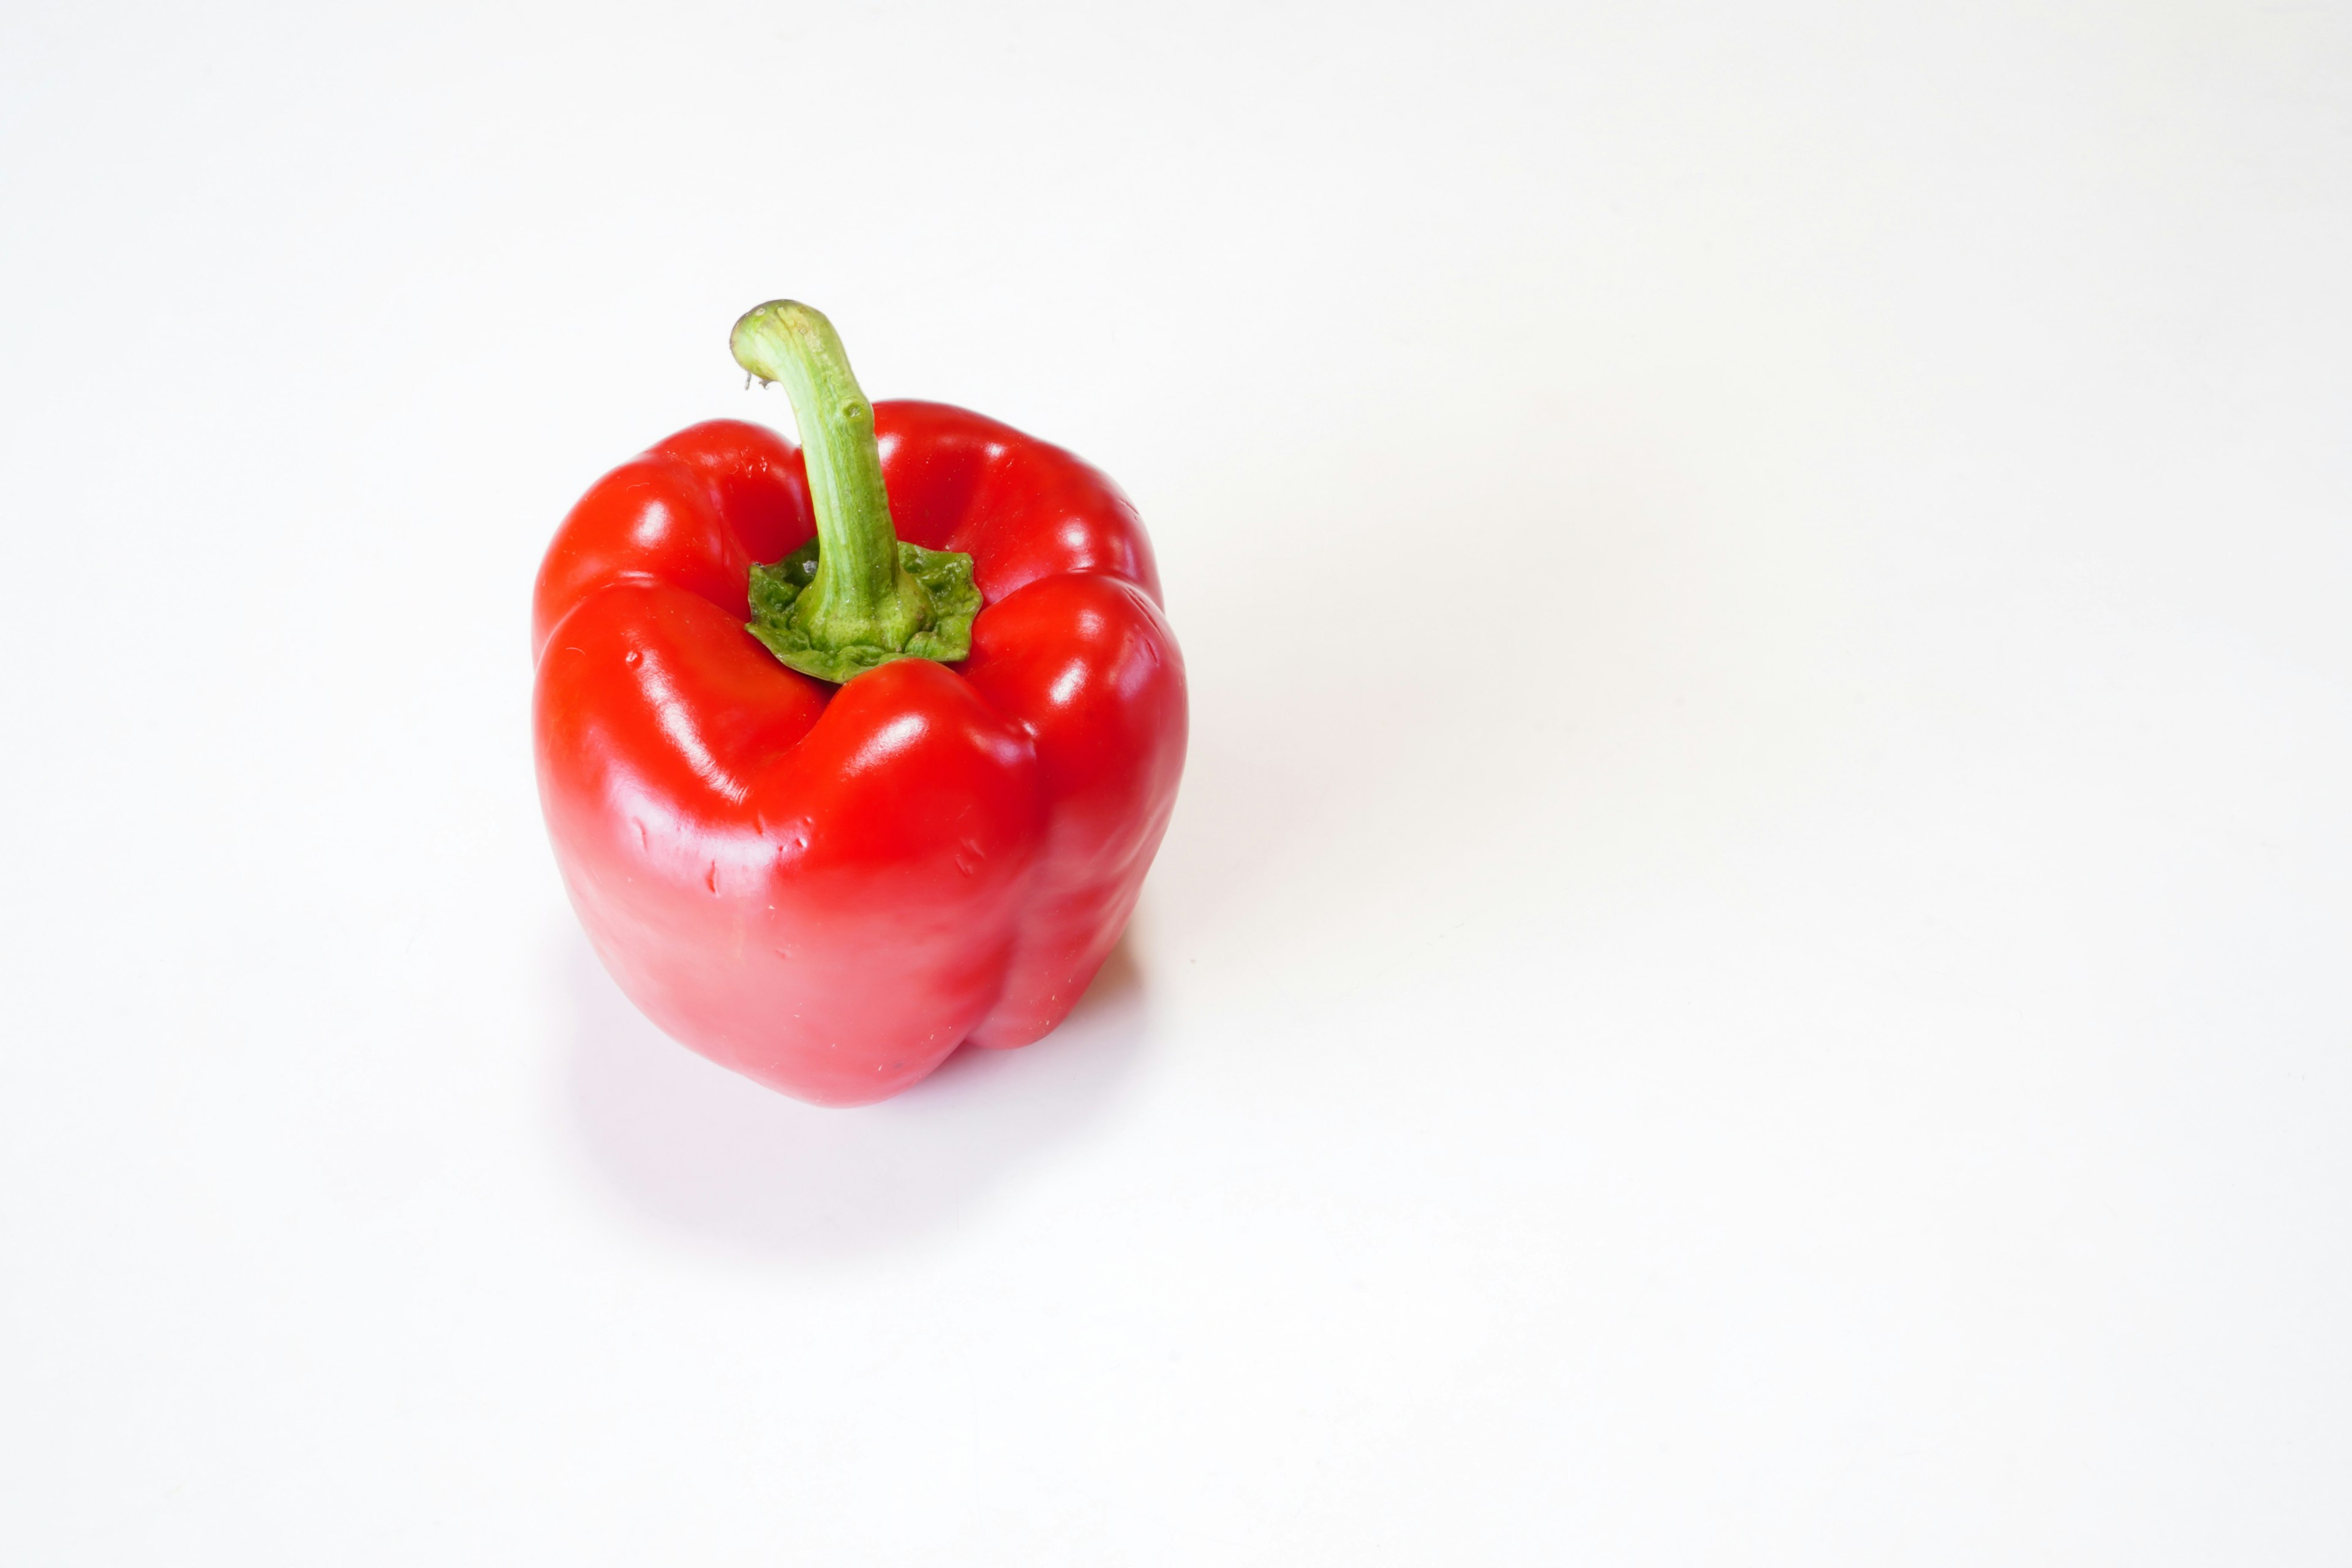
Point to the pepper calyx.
(944, 574)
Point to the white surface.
(1752, 964)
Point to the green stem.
(869, 598)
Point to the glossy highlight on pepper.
(828, 882)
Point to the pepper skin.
(829, 889)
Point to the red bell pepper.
(822, 821)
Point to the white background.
(1753, 962)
